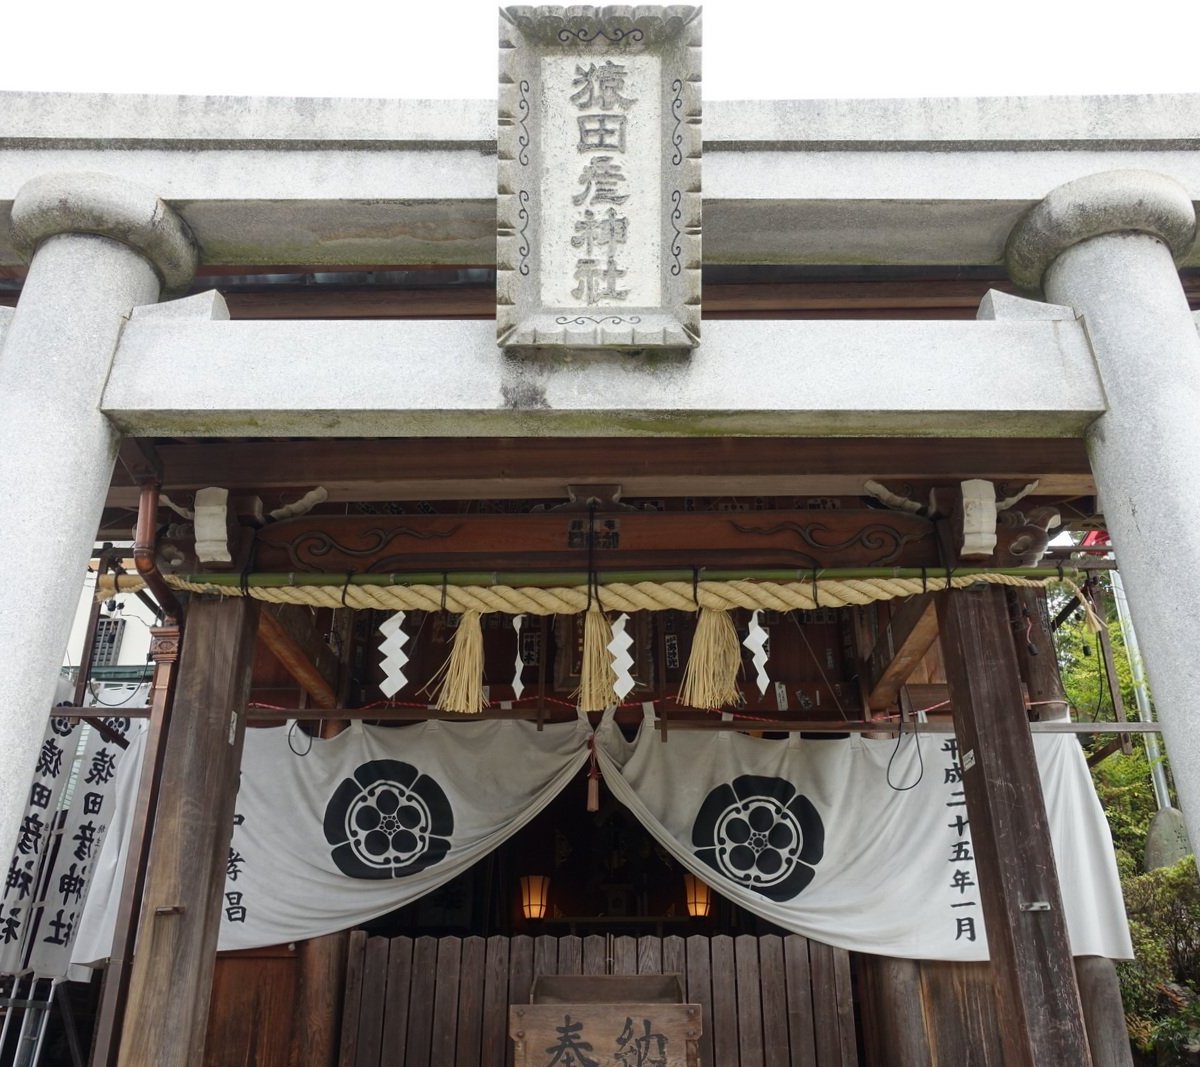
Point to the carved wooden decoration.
(1030, 534)
(982, 527)
(598, 228)
(212, 535)
(801, 539)
(978, 519)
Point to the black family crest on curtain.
(759, 832)
(388, 821)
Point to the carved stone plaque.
(598, 238)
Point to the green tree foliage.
(1122, 782)
(1160, 986)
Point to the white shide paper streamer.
(518, 686)
(756, 642)
(622, 661)
(394, 656)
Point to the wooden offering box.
(606, 1021)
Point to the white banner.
(329, 834)
(854, 842)
(29, 869)
(61, 835)
(807, 833)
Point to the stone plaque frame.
(531, 150)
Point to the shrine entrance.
(430, 984)
(437, 977)
(766, 1000)
(434, 980)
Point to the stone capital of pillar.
(1116, 201)
(111, 207)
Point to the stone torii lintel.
(1023, 378)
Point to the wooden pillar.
(319, 994)
(1103, 1011)
(177, 938)
(1033, 641)
(895, 1019)
(321, 960)
(114, 997)
(1038, 1006)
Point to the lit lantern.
(698, 895)
(535, 893)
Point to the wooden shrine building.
(832, 371)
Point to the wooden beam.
(541, 468)
(909, 298)
(288, 632)
(908, 636)
(1038, 1005)
(629, 716)
(1104, 751)
(943, 298)
(182, 905)
(915, 297)
(932, 697)
(611, 540)
(138, 461)
(1037, 661)
(1110, 665)
(948, 298)
(1065, 612)
(317, 302)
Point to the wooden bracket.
(606, 497)
(909, 634)
(141, 460)
(309, 661)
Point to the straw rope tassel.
(1093, 620)
(596, 674)
(710, 678)
(459, 682)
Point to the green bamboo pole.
(543, 579)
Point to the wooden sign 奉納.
(605, 1035)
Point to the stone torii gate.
(109, 223)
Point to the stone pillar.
(98, 247)
(1107, 245)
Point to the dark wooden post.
(1039, 669)
(320, 989)
(1038, 1006)
(896, 1022)
(114, 998)
(171, 980)
(321, 961)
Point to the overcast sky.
(753, 49)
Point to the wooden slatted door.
(443, 1002)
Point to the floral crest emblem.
(388, 821)
(760, 833)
